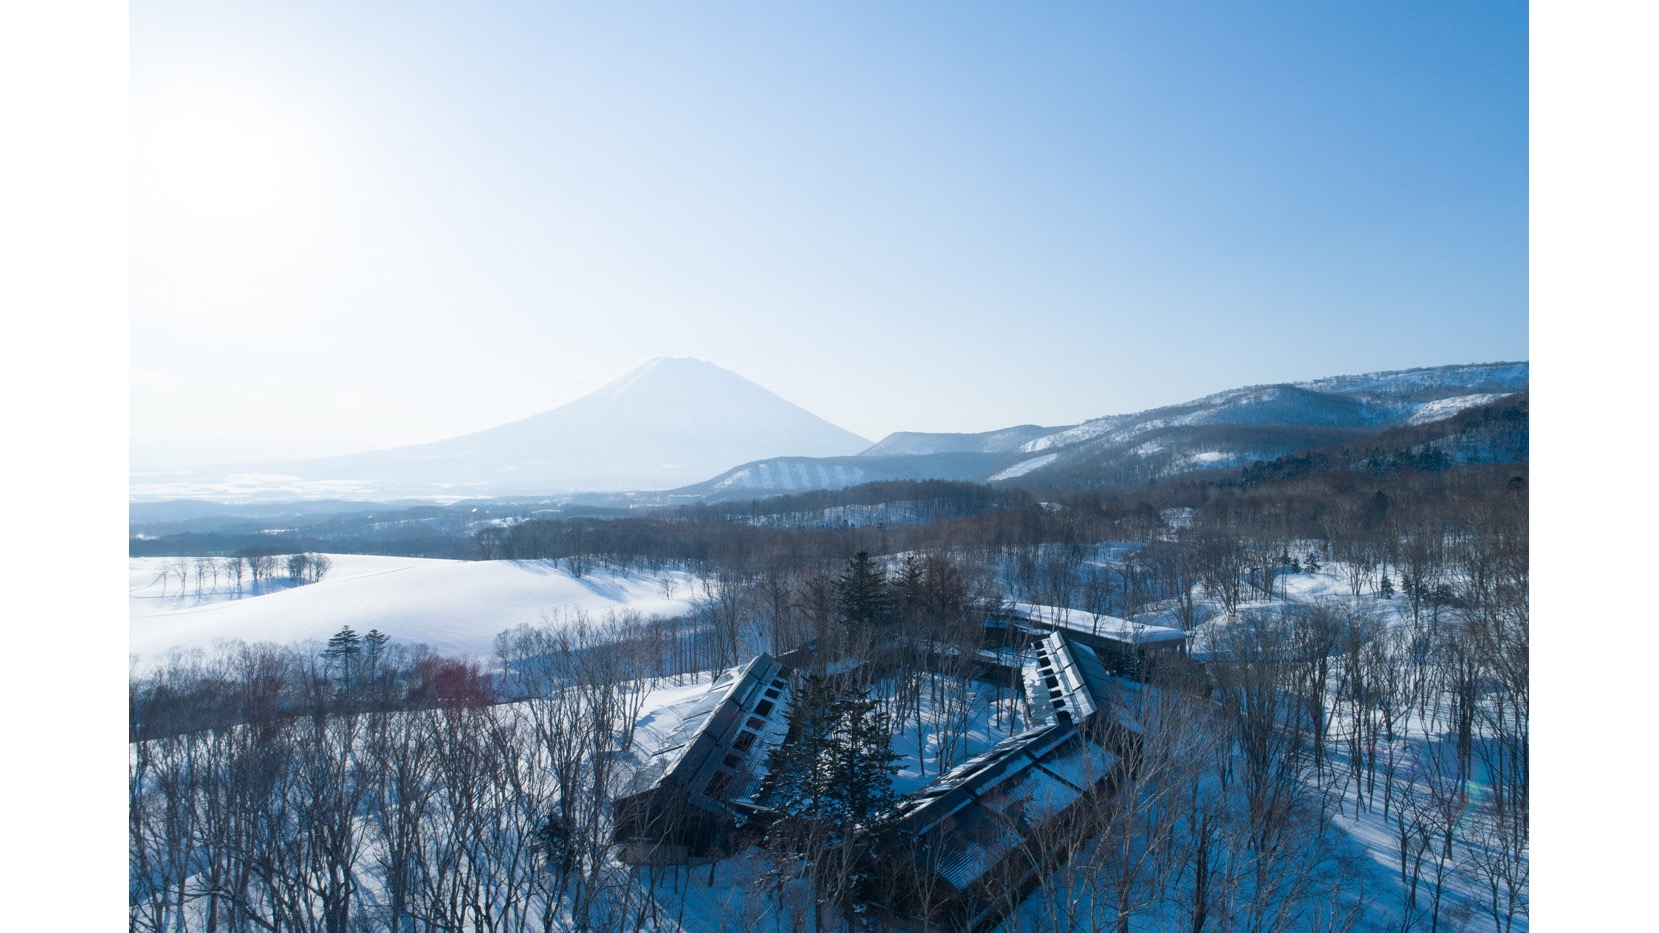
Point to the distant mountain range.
(1226, 429)
(674, 422)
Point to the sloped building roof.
(1055, 687)
(717, 755)
(982, 811)
(983, 828)
(1103, 627)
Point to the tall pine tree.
(833, 790)
(341, 653)
(862, 595)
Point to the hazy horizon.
(167, 456)
(353, 231)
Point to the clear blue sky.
(356, 225)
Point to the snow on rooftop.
(1054, 684)
(1078, 620)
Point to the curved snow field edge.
(454, 607)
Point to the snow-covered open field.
(454, 607)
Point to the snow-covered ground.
(1363, 826)
(457, 608)
(1361, 831)
(454, 607)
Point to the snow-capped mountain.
(674, 421)
(669, 422)
(1221, 430)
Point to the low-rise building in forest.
(981, 837)
(1122, 646)
(685, 799)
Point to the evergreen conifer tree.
(341, 652)
(833, 789)
(799, 782)
(862, 594)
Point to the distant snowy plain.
(454, 607)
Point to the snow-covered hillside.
(1219, 430)
(919, 443)
(455, 607)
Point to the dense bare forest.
(366, 784)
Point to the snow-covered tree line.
(259, 568)
(346, 790)
(368, 786)
(1397, 706)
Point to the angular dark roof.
(1055, 686)
(979, 813)
(742, 716)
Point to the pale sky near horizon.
(361, 225)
